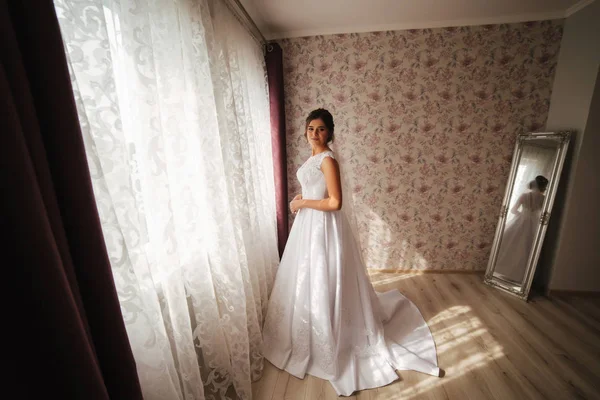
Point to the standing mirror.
(537, 163)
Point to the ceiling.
(293, 18)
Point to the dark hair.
(326, 117)
(541, 182)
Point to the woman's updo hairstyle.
(540, 182)
(324, 116)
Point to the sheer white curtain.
(173, 105)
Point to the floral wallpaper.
(426, 121)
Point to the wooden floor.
(491, 346)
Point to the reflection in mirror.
(523, 218)
(536, 167)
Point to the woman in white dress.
(520, 231)
(324, 318)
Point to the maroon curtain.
(274, 60)
(66, 332)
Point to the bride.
(519, 233)
(324, 318)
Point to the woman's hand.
(295, 204)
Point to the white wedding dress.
(324, 317)
(518, 237)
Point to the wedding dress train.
(325, 319)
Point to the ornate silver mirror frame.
(515, 255)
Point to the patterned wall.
(427, 119)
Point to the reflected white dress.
(518, 237)
(325, 319)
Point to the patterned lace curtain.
(173, 105)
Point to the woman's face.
(317, 133)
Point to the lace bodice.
(311, 177)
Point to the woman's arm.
(331, 170)
(515, 209)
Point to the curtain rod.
(240, 12)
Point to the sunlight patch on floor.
(384, 278)
(468, 341)
(452, 312)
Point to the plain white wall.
(577, 258)
(571, 254)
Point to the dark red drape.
(66, 332)
(274, 60)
